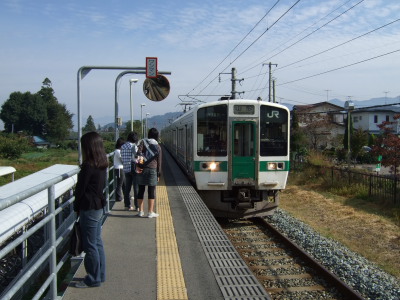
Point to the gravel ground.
(355, 270)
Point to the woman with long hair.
(89, 205)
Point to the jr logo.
(273, 114)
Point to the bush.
(12, 147)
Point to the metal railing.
(56, 223)
(379, 187)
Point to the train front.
(242, 157)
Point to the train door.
(243, 150)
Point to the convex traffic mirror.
(156, 89)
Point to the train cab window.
(273, 131)
(212, 130)
(243, 139)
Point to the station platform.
(182, 254)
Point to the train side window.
(212, 130)
(273, 131)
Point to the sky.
(318, 50)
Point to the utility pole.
(233, 79)
(270, 80)
(234, 84)
(386, 92)
(327, 95)
(273, 90)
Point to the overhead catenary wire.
(251, 44)
(324, 51)
(314, 31)
(341, 44)
(238, 44)
(342, 67)
(260, 62)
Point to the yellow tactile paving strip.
(170, 280)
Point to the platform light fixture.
(133, 80)
(141, 119)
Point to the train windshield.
(212, 130)
(273, 131)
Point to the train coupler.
(243, 200)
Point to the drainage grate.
(234, 278)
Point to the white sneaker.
(141, 214)
(152, 215)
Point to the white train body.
(236, 152)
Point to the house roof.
(375, 109)
(322, 105)
(39, 141)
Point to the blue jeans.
(130, 180)
(95, 260)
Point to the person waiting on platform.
(128, 152)
(89, 205)
(119, 170)
(150, 171)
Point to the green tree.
(89, 125)
(59, 122)
(24, 112)
(136, 127)
(37, 114)
(298, 139)
(388, 145)
(358, 140)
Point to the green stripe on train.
(264, 164)
(223, 166)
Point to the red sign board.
(151, 67)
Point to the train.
(235, 152)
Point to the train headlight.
(213, 166)
(273, 166)
(210, 166)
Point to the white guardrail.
(34, 197)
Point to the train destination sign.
(243, 109)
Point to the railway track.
(285, 270)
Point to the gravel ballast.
(356, 271)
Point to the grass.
(34, 161)
(344, 213)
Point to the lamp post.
(130, 98)
(141, 118)
(146, 121)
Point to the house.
(40, 143)
(368, 119)
(324, 123)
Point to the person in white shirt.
(119, 170)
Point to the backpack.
(149, 153)
(133, 160)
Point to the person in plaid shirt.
(128, 152)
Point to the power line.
(316, 29)
(253, 42)
(238, 44)
(353, 39)
(346, 66)
(302, 32)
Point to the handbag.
(75, 246)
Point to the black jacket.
(89, 188)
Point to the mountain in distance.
(160, 121)
(368, 103)
(359, 103)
